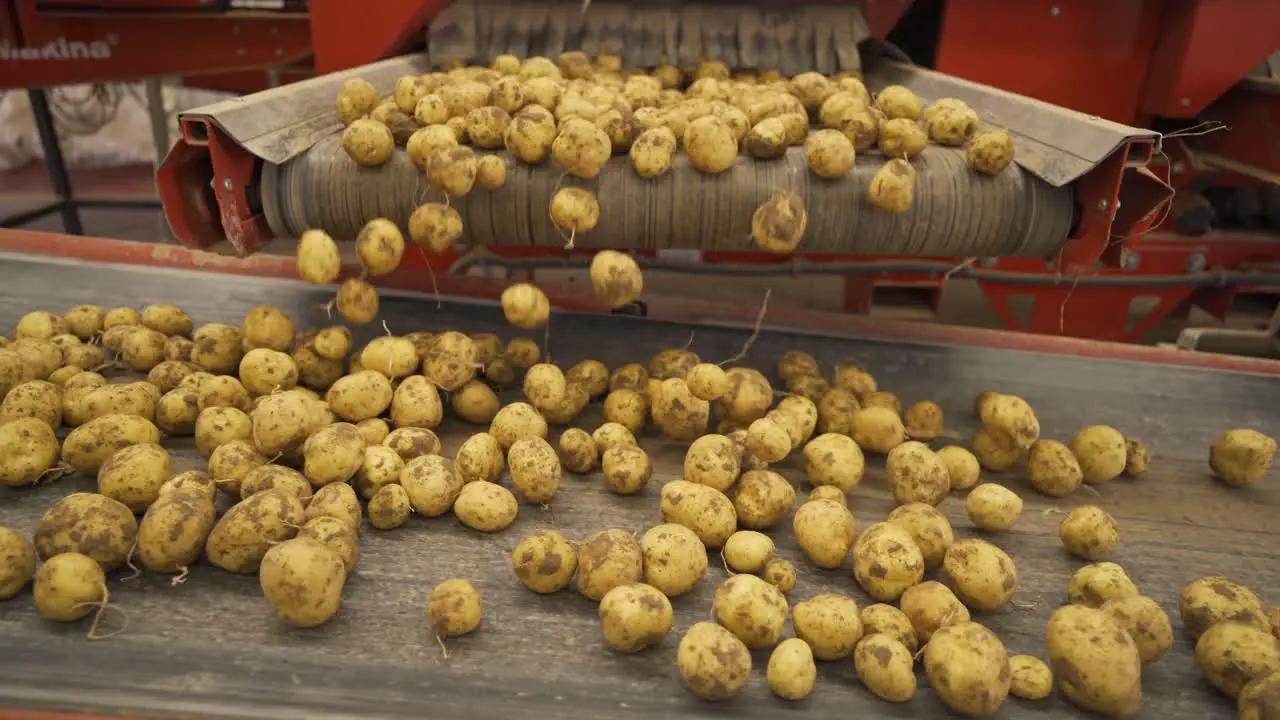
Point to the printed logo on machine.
(61, 49)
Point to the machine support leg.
(159, 133)
(54, 162)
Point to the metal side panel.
(1056, 144)
(280, 124)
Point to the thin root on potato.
(181, 577)
(755, 331)
(102, 606)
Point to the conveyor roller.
(957, 213)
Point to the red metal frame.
(205, 157)
(56, 49)
(1205, 47)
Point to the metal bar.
(29, 216)
(53, 160)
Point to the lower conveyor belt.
(211, 647)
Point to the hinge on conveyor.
(788, 38)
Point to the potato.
(1095, 584)
(177, 411)
(531, 133)
(626, 408)
(360, 396)
(223, 391)
(217, 348)
(37, 358)
(995, 450)
(381, 466)
(451, 361)
(87, 357)
(626, 468)
(1089, 533)
(1145, 621)
(1053, 469)
(415, 403)
(901, 138)
(1211, 599)
(133, 475)
(479, 459)
(525, 306)
(33, 399)
(282, 422)
(178, 349)
(337, 501)
(928, 527)
(395, 357)
(610, 434)
(1101, 452)
(747, 551)
(674, 558)
(990, 151)
(333, 454)
(195, 482)
(368, 142)
(87, 447)
(87, 523)
(168, 375)
(435, 227)
(886, 667)
(389, 508)
(653, 152)
(628, 377)
(896, 101)
(581, 148)
(713, 663)
(1095, 661)
(882, 399)
(704, 510)
(174, 530)
(1239, 457)
(762, 499)
(711, 144)
(356, 99)
(887, 620)
(952, 125)
(879, 430)
(712, 460)
(577, 451)
(85, 321)
(486, 126)
(19, 564)
(522, 353)
(411, 442)
(830, 624)
(250, 528)
(993, 507)
(1030, 678)
(930, 606)
(121, 316)
(968, 667)
(616, 280)
(544, 561)
(634, 617)
(373, 430)
(792, 673)
(916, 473)
(474, 402)
(707, 381)
(40, 325)
(515, 421)
(535, 469)
(833, 460)
(485, 506)
(825, 531)
(573, 210)
(886, 561)
(454, 608)
(892, 188)
(828, 492)
(69, 586)
(357, 301)
(751, 609)
(608, 559)
(982, 575)
(302, 580)
(218, 426)
(332, 343)
(318, 260)
(274, 477)
(28, 451)
(779, 223)
(167, 319)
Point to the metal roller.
(957, 212)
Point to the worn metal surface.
(956, 213)
(211, 648)
(789, 37)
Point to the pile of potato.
(456, 123)
(308, 439)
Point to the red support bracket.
(206, 186)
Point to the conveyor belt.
(211, 648)
(957, 212)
